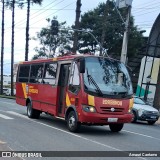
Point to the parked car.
(144, 112)
(5, 90)
(8, 92)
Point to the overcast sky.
(144, 12)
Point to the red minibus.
(81, 89)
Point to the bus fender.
(71, 108)
(28, 100)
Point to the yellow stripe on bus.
(24, 90)
(91, 100)
(68, 103)
(54, 59)
(131, 103)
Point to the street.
(19, 133)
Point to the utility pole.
(124, 4)
(77, 24)
(2, 47)
(125, 37)
(12, 47)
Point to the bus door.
(62, 83)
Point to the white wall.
(147, 72)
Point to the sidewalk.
(158, 122)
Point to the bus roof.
(62, 58)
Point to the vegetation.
(104, 23)
(51, 39)
(27, 24)
(105, 18)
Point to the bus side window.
(50, 73)
(23, 75)
(74, 83)
(36, 73)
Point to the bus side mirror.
(82, 65)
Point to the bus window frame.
(17, 79)
(76, 63)
(55, 84)
(34, 64)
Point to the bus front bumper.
(104, 119)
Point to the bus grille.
(110, 110)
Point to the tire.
(134, 119)
(32, 113)
(72, 122)
(116, 127)
(151, 122)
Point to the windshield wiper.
(93, 82)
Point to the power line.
(54, 12)
(48, 15)
(24, 20)
(154, 8)
(147, 12)
(145, 5)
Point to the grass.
(9, 97)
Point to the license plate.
(153, 117)
(112, 119)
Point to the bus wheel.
(72, 122)
(32, 113)
(116, 127)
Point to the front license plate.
(153, 117)
(112, 119)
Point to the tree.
(11, 5)
(77, 24)
(27, 25)
(2, 47)
(51, 39)
(12, 46)
(105, 23)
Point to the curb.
(8, 97)
(158, 122)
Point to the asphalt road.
(19, 133)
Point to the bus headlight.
(89, 109)
(129, 111)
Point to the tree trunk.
(77, 24)
(2, 47)
(27, 31)
(12, 47)
(156, 102)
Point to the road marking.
(1, 142)
(23, 116)
(144, 135)
(7, 103)
(73, 134)
(5, 117)
(17, 114)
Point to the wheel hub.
(71, 122)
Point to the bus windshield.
(106, 77)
